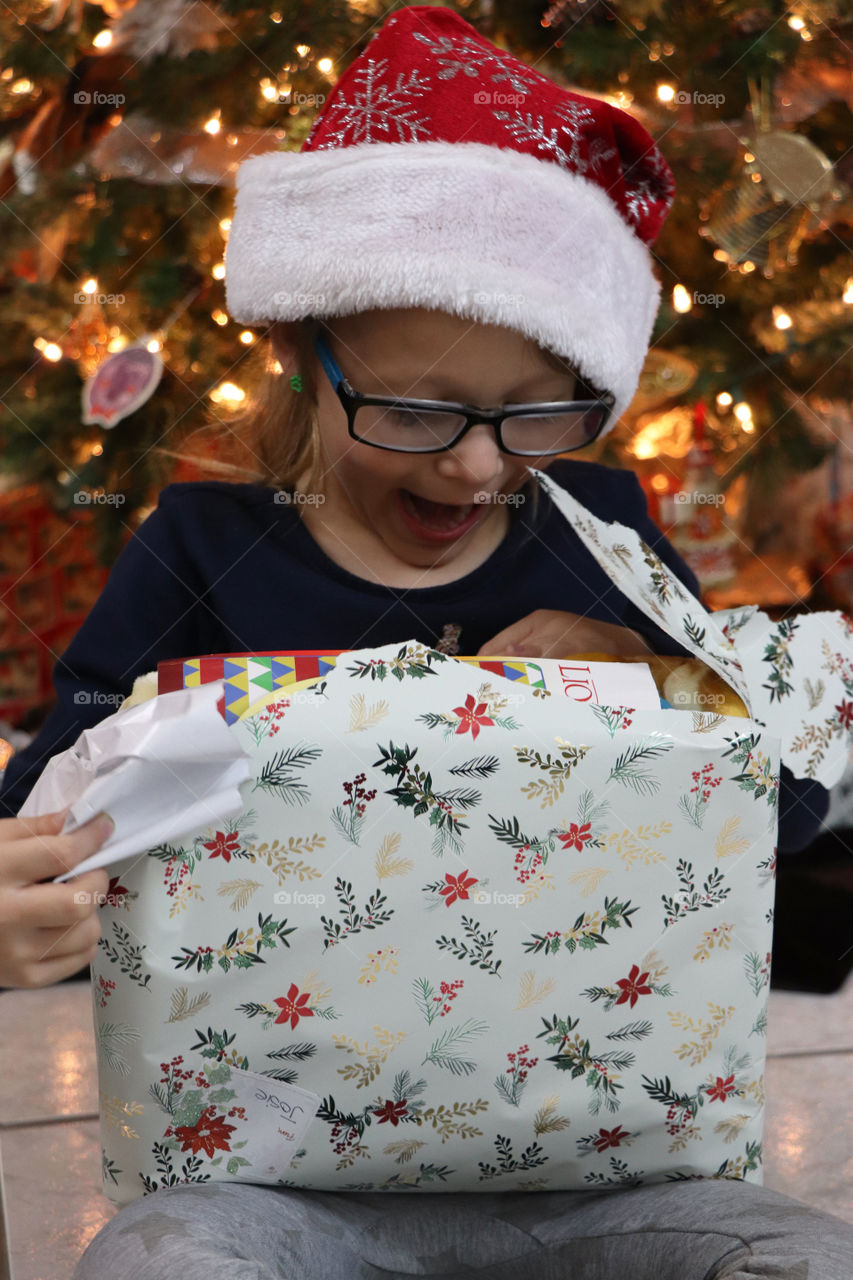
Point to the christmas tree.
(123, 125)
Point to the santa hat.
(442, 172)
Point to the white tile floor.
(50, 1151)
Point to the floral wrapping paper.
(461, 936)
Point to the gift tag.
(277, 1117)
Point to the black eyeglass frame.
(352, 400)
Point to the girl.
(460, 231)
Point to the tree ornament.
(785, 189)
(126, 379)
(151, 28)
(664, 376)
(122, 383)
(59, 9)
(145, 151)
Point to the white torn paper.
(159, 769)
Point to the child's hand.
(548, 633)
(47, 931)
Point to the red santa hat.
(442, 172)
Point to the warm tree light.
(681, 299)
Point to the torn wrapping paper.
(159, 769)
(795, 676)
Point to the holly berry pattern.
(557, 984)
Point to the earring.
(296, 382)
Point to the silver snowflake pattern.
(657, 187)
(574, 117)
(466, 55)
(377, 108)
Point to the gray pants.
(695, 1230)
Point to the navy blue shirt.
(222, 568)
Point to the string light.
(681, 299)
(796, 23)
(325, 65)
(117, 344)
(743, 413)
(847, 295)
(723, 400)
(220, 316)
(302, 49)
(268, 90)
(227, 393)
(23, 86)
(781, 319)
(51, 351)
(218, 272)
(247, 337)
(89, 286)
(225, 226)
(214, 124)
(666, 92)
(103, 39)
(153, 345)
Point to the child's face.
(431, 355)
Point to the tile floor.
(50, 1152)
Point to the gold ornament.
(784, 190)
(664, 376)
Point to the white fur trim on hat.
(486, 233)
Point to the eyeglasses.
(430, 426)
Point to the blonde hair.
(279, 428)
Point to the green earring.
(296, 382)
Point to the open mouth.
(441, 516)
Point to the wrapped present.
(463, 933)
(448, 943)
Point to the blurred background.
(122, 125)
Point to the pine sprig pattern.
(759, 775)
(465, 978)
(778, 657)
(414, 790)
